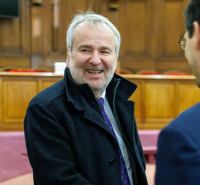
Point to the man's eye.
(85, 50)
(106, 52)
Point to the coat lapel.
(124, 110)
(127, 123)
(96, 118)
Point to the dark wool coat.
(68, 142)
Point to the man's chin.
(95, 87)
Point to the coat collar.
(81, 94)
(83, 98)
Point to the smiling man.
(82, 130)
(93, 57)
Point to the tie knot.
(101, 102)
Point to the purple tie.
(124, 173)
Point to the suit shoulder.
(192, 110)
(190, 114)
(187, 122)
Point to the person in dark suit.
(178, 155)
(82, 130)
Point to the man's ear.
(196, 35)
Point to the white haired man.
(71, 136)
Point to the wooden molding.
(37, 2)
(166, 93)
(174, 0)
(113, 4)
(138, 0)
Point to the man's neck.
(98, 93)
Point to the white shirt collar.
(103, 95)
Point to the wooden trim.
(173, 0)
(127, 76)
(37, 2)
(158, 99)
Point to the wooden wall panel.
(111, 9)
(15, 38)
(136, 30)
(37, 36)
(16, 96)
(149, 29)
(16, 91)
(172, 27)
(137, 98)
(45, 83)
(160, 101)
(41, 33)
(135, 26)
(158, 98)
(10, 30)
(188, 95)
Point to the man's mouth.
(94, 72)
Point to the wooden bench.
(149, 140)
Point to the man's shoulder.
(194, 109)
(191, 114)
(187, 121)
(49, 94)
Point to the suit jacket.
(68, 142)
(178, 155)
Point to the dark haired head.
(192, 13)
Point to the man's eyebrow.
(89, 46)
(84, 46)
(106, 48)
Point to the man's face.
(192, 54)
(93, 56)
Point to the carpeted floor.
(150, 172)
(15, 164)
(13, 158)
(27, 179)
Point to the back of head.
(192, 13)
(94, 20)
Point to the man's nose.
(95, 58)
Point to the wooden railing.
(158, 98)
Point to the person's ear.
(196, 34)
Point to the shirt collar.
(103, 95)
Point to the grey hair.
(94, 20)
